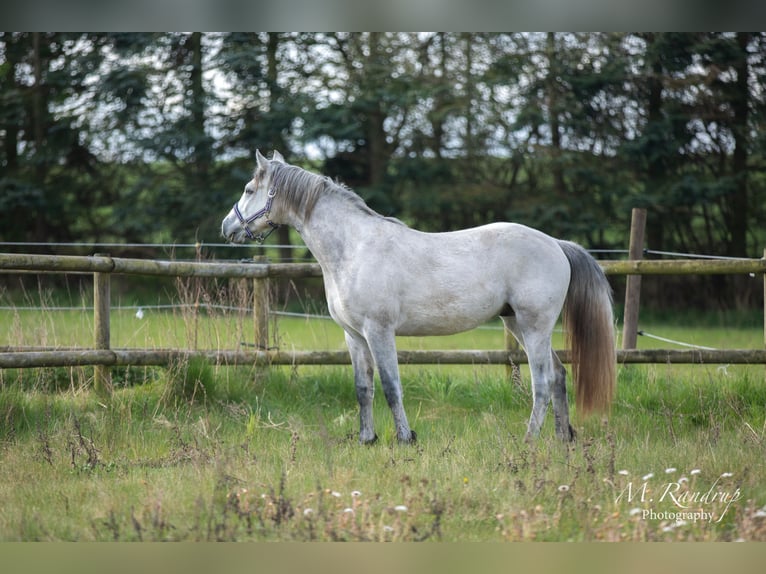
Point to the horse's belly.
(444, 320)
(420, 330)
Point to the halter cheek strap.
(260, 238)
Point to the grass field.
(199, 452)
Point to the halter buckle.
(261, 237)
(245, 222)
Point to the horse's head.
(249, 219)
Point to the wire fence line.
(162, 307)
(693, 255)
(102, 356)
(670, 254)
(202, 244)
(126, 307)
(197, 245)
(674, 342)
(142, 309)
(166, 247)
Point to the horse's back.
(440, 283)
(505, 249)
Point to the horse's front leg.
(382, 344)
(364, 370)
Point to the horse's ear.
(276, 156)
(262, 162)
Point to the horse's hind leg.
(537, 344)
(364, 370)
(541, 371)
(564, 430)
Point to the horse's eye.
(248, 191)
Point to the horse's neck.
(334, 226)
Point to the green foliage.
(150, 137)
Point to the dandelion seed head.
(335, 494)
(727, 475)
(400, 508)
(308, 511)
(635, 511)
(647, 476)
(670, 470)
(695, 471)
(563, 488)
(348, 511)
(623, 472)
(355, 493)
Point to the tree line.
(151, 136)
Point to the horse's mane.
(302, 189)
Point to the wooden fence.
(102, 356)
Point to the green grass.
(199, 452)
(274, 457)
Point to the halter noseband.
(261, 237)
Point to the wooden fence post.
(101, 328)
(633, 285)
(261, 308)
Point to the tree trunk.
(277, 139)
(437, 114)
(655, 169)
(739, 199)
(39, 128)
(552, 88)
(203, 153)
(376, 133)
(11, 140)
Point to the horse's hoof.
(568, 435)
(412, 440)
(371, 441)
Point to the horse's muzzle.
(229, 230)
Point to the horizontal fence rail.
(105, 264)
(684, 267)
(103, 356)
(164, 357)
(250, 269)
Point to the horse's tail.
(589, 325)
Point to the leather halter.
(264, 212)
